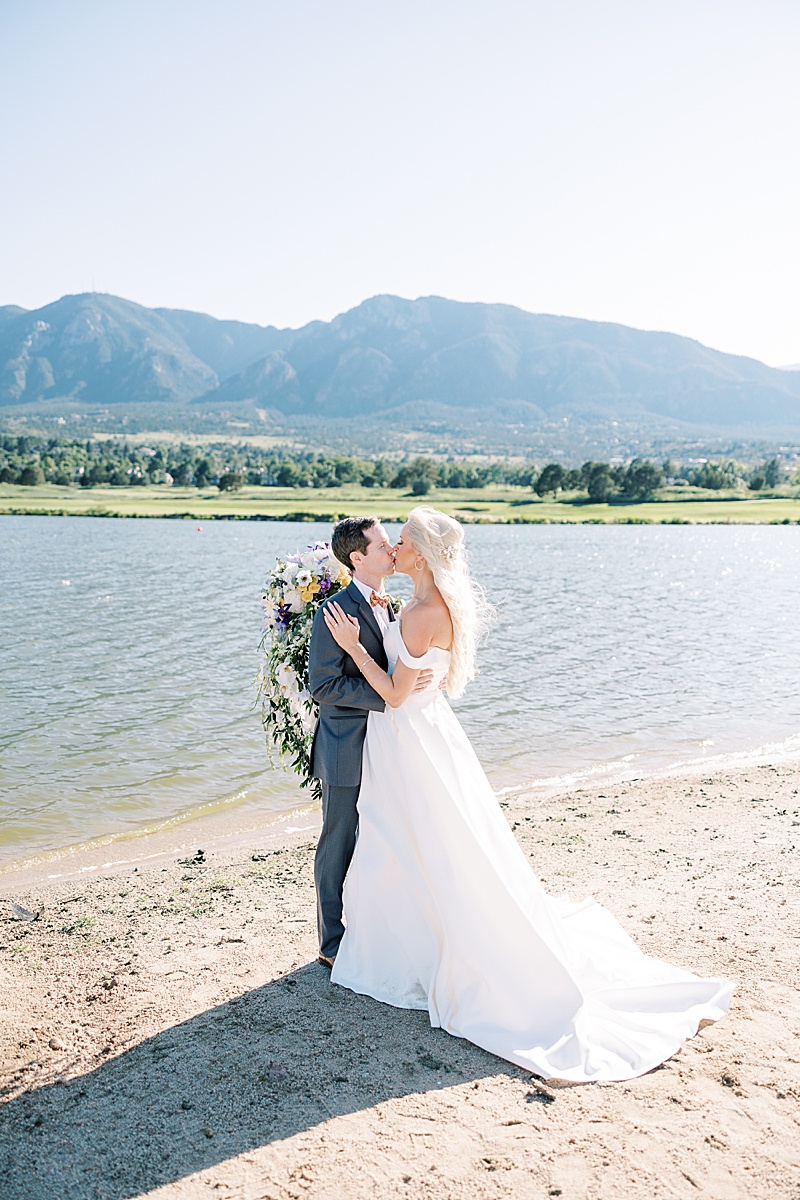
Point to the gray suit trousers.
(334, 851)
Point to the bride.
(443, 910)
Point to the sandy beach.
(166, 1030)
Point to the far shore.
(496, 505)
(166, 1028)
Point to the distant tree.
(715, 476)
(454, 476)
(756, 482)
(287, 474)
(419, 486)
(597, 481)
(231, 481)
(202, 473)
(347, 470)
(31, 475)
(180, 473)
(550, 480)
(572, 481)
(420, 470)
(382, 472)
(520, 476)
(94, 474)
(641, 479)
(8, 475)
(669, 468)
(773, 472)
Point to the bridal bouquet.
(292, 594)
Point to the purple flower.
(325, 583)
(283, 615)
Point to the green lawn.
(487, 505)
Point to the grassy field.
(488, 505)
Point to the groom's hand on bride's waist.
(424, 680)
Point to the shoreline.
(219, 830)
(168, 1030)
(492, 505)
(234, 827)
(328, 518)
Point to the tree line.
(28, 461)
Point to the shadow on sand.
(260, 1068)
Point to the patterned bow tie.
(377, 599)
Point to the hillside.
(412, 364)
(99, 350)
(389, 353)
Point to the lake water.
(128, 650)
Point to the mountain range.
(407, 363)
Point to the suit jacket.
(342, 693)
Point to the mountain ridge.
(387, 358)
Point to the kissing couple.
(442, 909)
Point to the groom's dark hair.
(349, 535)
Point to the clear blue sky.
(622, 160)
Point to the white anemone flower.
(304, 578)
(293, 598)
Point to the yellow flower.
(308, 593)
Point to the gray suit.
(345, 700)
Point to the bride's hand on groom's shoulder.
(344, 629)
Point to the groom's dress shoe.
(326, 962)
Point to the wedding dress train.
(444, 913)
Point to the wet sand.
(166, 1030)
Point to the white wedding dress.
(444, 913)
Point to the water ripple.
(126, 694)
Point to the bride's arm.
(395, 688)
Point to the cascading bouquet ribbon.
(292, 594)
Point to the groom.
(345, 700)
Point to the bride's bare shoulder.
(427, 623)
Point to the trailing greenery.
(293, 592)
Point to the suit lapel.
(365, 610)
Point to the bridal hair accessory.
(294, 590)
(448, 552)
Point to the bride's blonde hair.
(439, 540)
